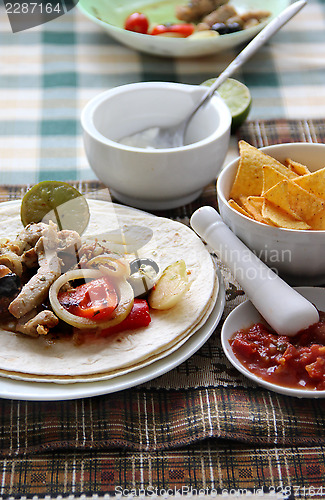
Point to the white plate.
(32, 391)
(110, 15)
(244, 316)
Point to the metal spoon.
(173, 137)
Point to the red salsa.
(296, 362)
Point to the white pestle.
(284, 309)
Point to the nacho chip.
(294, 200)
(280, 218)
(271, 177)
(296, 167)
(278, 195)
(249, 177)
(239, 208)
(314, 183)
(284, 195)
(318, 221)
(253, 205)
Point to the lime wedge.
(237, 97)
(56, 201)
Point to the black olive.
(233, 27)
(9, 288)
(9, 285)
(225, 29)
(221, 28)
(136, 264)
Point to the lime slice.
(237, 97)
(56, 201)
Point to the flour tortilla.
(126, 230)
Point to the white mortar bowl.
(155, 178)
(297, 255)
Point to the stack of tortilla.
(134, 234)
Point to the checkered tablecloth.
(48, 73)
(202, 427)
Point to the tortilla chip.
(239, 208)
(280, 218)
(296, 167)
(318, 221)
(271, 177)
(249, 177)
(314, 183)
(278, 195)
(253, 205)
(294, 200)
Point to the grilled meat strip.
(36, 289)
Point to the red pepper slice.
(137, 22)
(138, 317)
(184, 30)
(95, 300)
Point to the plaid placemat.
(202, 398)
(200, 426)
(204, 471)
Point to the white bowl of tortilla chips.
(273, 199)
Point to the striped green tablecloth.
(48, 73)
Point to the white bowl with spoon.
(149, 178)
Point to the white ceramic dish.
(33, 391)
(110, 15)
(244, 316)
(297, 255)
(155, 179)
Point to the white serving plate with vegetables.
(111, 16)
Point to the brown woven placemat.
(201, 425)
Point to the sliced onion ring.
(124, 292)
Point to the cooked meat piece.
(68, 241)
(202, 27)
(40, 324)
(69, 244)
(29, 236)
(220, 15)
(11, 252)
(250, 23)
(89, 251)
(30, 258)
(36, 289)
(255, 14)
(235, 19)
(196, 9)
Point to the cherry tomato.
(137, 22)
(94, 300)
(183, 30)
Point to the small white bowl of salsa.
(294, 366)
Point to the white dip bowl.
(155, 178)
(297, 255)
